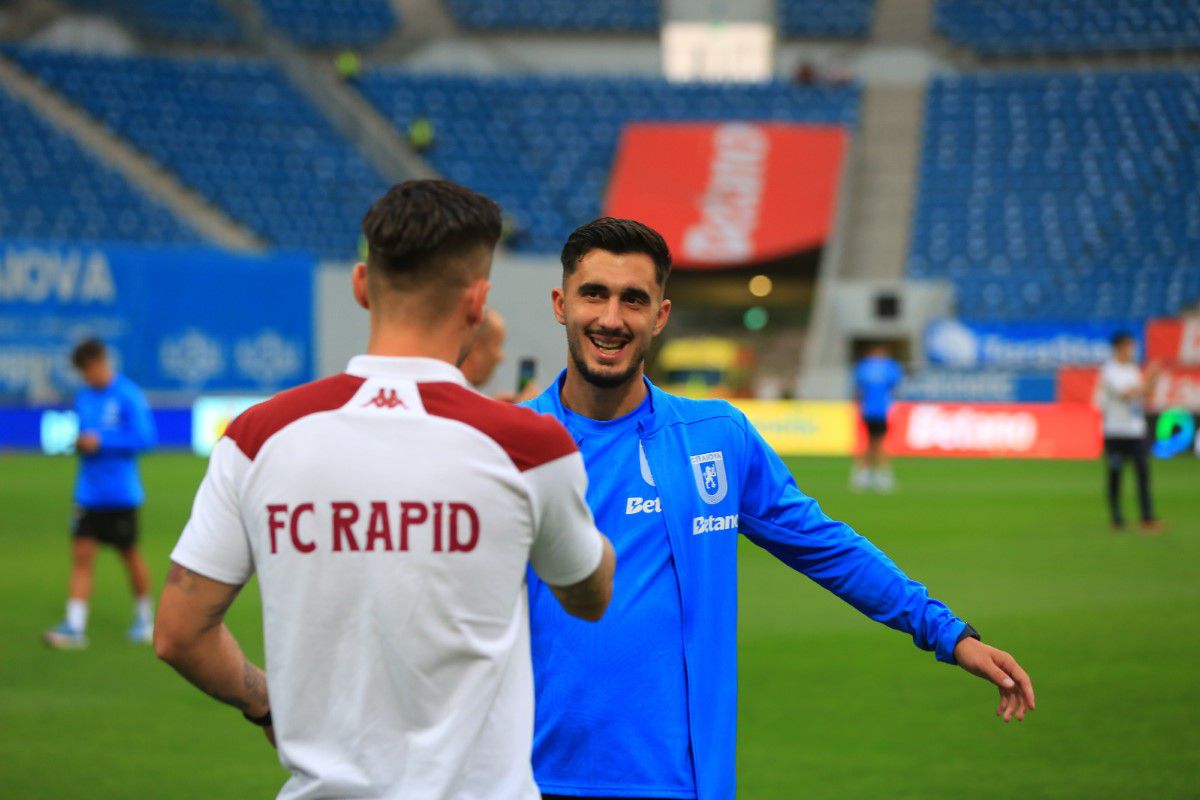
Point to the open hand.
(997, 666)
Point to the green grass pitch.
(832, 705)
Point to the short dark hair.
(617, 236)
(88, 351)
(415, 232)
(1121, 337)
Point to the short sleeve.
(214, 541)
(567, 547)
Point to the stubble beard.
(602, 380)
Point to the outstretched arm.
(190, 635)
(777, 516)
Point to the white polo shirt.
(390, 513)
(1123, 418)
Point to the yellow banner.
(804, 427)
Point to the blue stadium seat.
(234, 130)
(845, 18)
(1062, 197)
(51, 189)
(172, 20)
(543, 147)
(842, 19)
(332, 23)
(556, 15)
(1022, 27)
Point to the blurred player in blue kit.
(643, 703)
(875, 380)
(115, 425)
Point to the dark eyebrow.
(584, 288)
(636, 294)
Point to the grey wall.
(520, 291)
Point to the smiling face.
(612, 307)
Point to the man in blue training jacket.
(875, 379)
(115, 425)
(643, 703)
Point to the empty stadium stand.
(1023, 27)
(543, 147)
(556, 15)
(169, 20)
(236, 131)
(1062, 196)
(331, 23)
(820, 18)
(53, 190)
(846, 18)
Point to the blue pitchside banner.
(178, 319)
(1020, 346)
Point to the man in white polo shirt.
(390, 513)
(1121, 392)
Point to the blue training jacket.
(120, 416)
(716, 476)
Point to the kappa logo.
(386, 398)
(711, 482)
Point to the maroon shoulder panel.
(251, 430)
(529, 438)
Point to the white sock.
(77, 613)
(144, 609)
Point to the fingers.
(1010, 665)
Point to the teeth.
(608, 348)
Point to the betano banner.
(179, 319)
(995, 430)
(729, 194)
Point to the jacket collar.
(660, 404)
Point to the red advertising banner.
(995, 430)
(1173, 340)
(1177, 387)
(729, 194)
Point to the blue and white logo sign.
(709, 471)
(1018, 346)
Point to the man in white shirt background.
(390, 513)
(1121, 394)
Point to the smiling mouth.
(608, 348)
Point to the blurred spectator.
(1121, 392)
(875, 380)
(487, 351)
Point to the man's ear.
(475, 300)
(558, 301)
(664, 312)
(358, 284)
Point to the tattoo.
(190, 583)
(255, 682)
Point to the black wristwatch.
(967, 633)
(263, 722)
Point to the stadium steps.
(883, 182)
(136, 167)
(349, 112)
(908, 22)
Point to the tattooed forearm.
(255, 683)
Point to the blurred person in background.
(115, 426)
(876, 377)
(390, 514)
(1121, 392)
(487, 353)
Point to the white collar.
(421, 370)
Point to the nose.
(610, 318)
